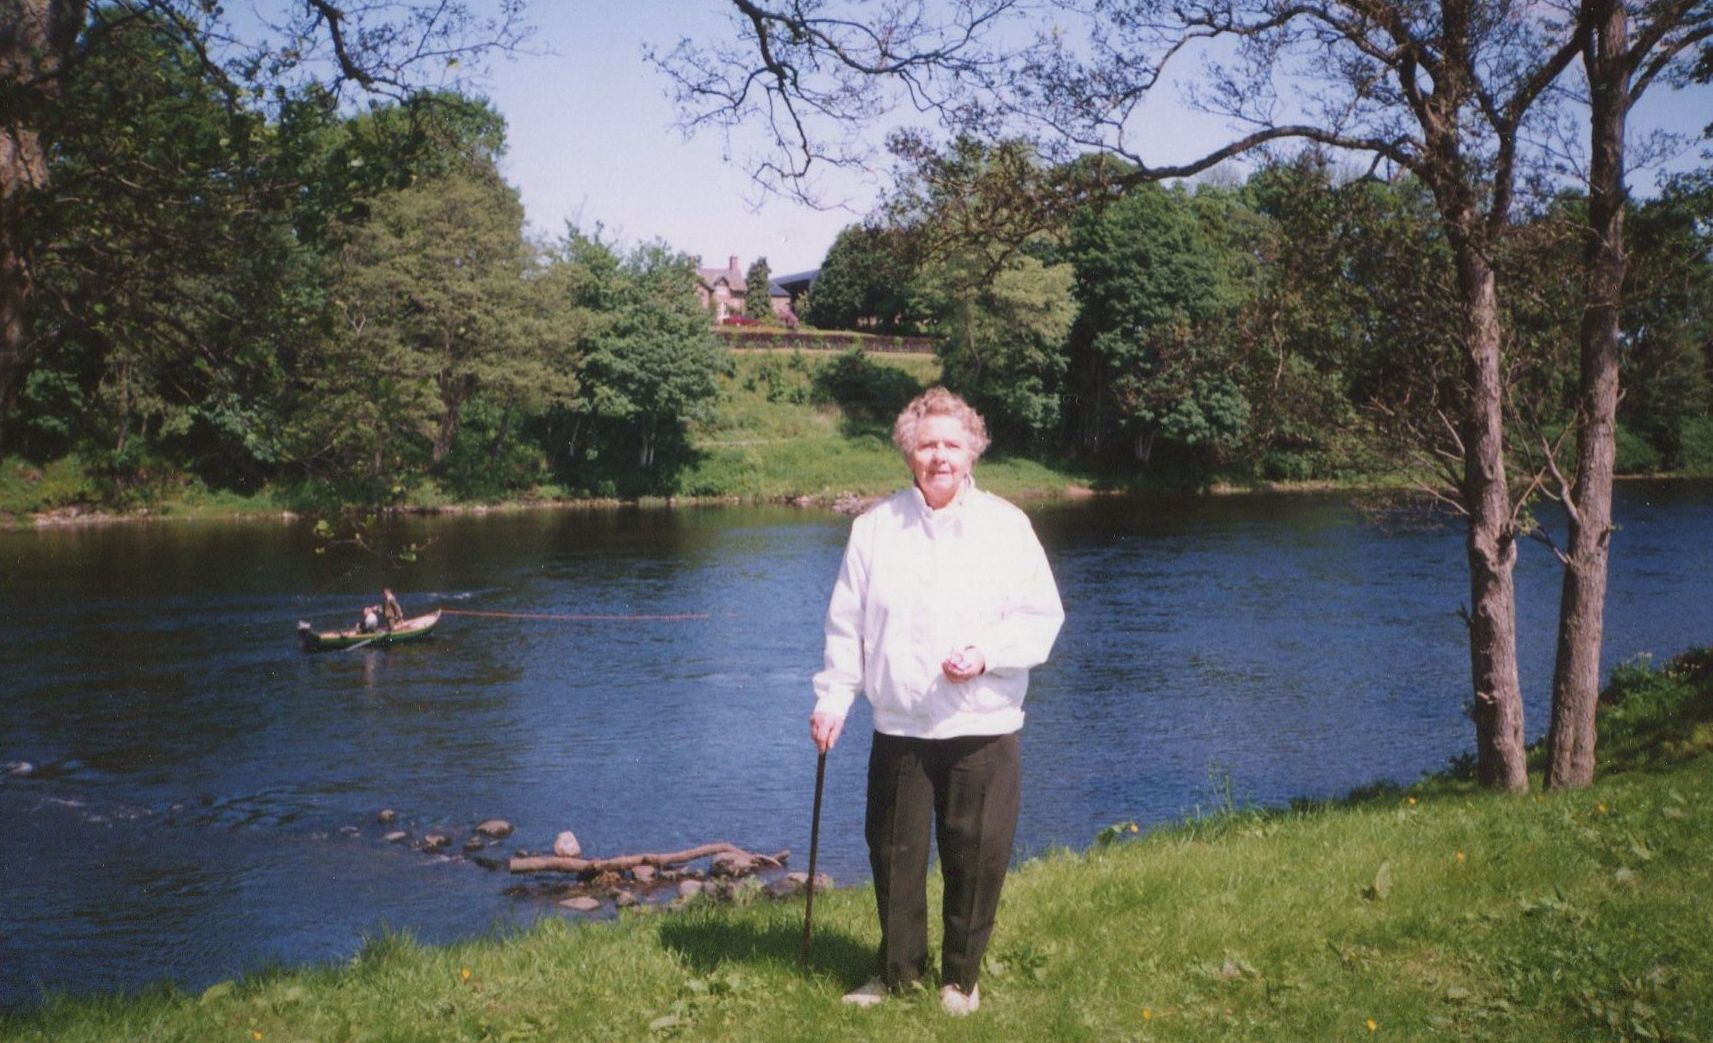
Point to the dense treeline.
(1298, 324)
(264, 289)
(268, 290)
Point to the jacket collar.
(951, 510)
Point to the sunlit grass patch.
(779, 434)
(27, 488)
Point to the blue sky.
(592, 139)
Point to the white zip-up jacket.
(918, 584)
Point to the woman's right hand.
(824, 729)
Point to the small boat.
(413, 629)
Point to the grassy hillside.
(1434, 913)
(792, 424)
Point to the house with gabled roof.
(722, 291)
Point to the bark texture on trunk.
(1588, 504)
(35, 38)
(1491, 543)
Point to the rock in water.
(582, 904)
(495, 828)
(387, 815)
(689, 888)
(643, 874)
(565, 845)
(436, 841)
(396, 836)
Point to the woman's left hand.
(966, 664)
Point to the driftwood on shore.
(662, 860)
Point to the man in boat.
(371, 619)
(391, 613)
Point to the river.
(204, 796)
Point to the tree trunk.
(1491, 544)
(35, 38)
(454, 392)
(1588, 504)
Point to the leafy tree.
(647, 361)
(431, 298)
(168, 275)
(1630, 46)
(986, 226)
(1341, 334)
(47, 44)
(865, 282)
(1668, 311)
(757, 304)
(1004, 339)
(1150, 358)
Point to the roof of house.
(796, 281)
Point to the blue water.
(205, 795)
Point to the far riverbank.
(770, 440)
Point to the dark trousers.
(966, 790)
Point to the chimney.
(734, 265)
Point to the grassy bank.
(1436, 912)
(787, 426)
(793, 424)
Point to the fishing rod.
(576, 617)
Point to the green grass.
(1436, 912)
(776, 434)
(28, 489)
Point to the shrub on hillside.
(863, 388)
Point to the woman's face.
(941, 459)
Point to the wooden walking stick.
(814, 848)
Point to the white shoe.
(955, 1003)
(868, 993)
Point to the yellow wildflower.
(1372, 1024)
(1147, 1015)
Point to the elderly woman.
(942, 605)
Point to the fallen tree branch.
(619, 863)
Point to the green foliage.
(1697, 442)
(1635, 454)
(28, 489)
(1667, 367)
(1150, 358)
(757, 304)
(1652, 714)
(647, 363)
(1348, 338)
(864, 282)
(432, 314)
(869, 392)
